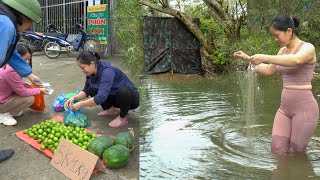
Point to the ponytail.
(283, 22)
(95, 54)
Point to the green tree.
(128, 22)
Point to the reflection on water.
(211, 129)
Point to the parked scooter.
(33, 40)
(36, 40)
(83, 41)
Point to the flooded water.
(195, 128)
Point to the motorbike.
(33, 40)
(36, 40)
(83, 41)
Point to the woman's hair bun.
(96, 55)
(296, 22)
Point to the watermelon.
(99, 144)
(116, 156)
(126, 139)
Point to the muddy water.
(194, 128)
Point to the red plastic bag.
(38, 104)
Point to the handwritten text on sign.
(72, 161)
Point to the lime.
(42, 147)
(45, 142)
(50, 142)
(56, 145)
(81, 140)
(75, 141)
(34, 130)
(31, 134)
(44, 134)
(58, 135)
(50, 136)
(55, 139)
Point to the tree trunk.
(210, 48)
(230, 24)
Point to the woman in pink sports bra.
(296, 119)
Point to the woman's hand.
(257, 59)
(34, 79)
(241, 55)
(68, 103)
(44, 91)
(76, 106)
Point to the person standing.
(296, 119)
(17, 16)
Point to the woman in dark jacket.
(108, 86)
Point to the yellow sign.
(98, 8)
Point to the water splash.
(251, 68)
(249, 92)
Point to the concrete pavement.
(64, 76)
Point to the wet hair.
(86, 57)
(283, 22)
(23, 49)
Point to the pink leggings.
(295, 121)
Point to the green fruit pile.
(49, 133)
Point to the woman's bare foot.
(111, 111)
(118, 122)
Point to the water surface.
(196, 128)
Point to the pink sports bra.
(297, 75)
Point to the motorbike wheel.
(28, 42)
(52, 50)
(92, 45)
